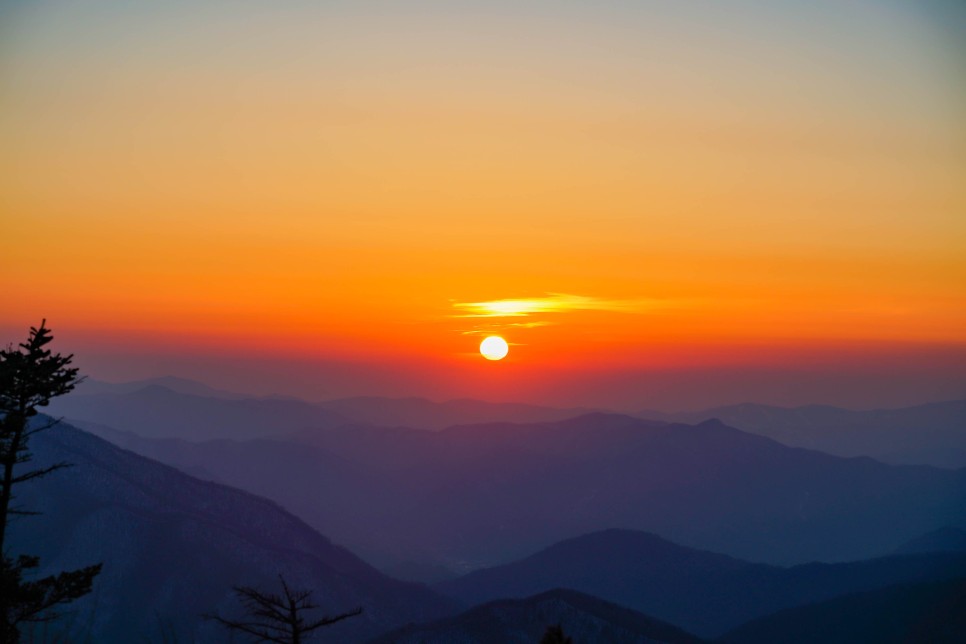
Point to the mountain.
(932, 612)
(524, 621)
(932, 434)
(91, 386)
(475, 496)
(170, 407)
(160, 412)
(704, 592)
(173, 546)
(426, 414)
(946, 539)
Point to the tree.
(30, 375)
(278, 618)
(555, 635)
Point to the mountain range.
(166, 407)
(933, 612)
(475, 496)
(174, 546)
(170, 407)
(945, 539)
(161, 412)
(704, 592)
(524, 621)
(931, 434)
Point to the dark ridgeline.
(945, 539)
(174, 546)
(159, 411)
(30, 376)
(931, 613)
(703, 592)
(930, 434)
(525, 621)
(169, 407)
(420, 413)
(473, 496)
(178, 408)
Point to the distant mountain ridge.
(171, 407)
(478, 495)
(173, 546)
(422, 413)
(930, 434)
(160, 412)
(704, 592)
(946, 539)
(92, 386)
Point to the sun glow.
(494, 348)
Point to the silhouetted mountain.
(933, 434)
(91, 386)
(171, 407)
(704, 592)
(160, 412)
(942, 540)
(524, 621)
(930, 612)
(472, 496)
(172, 547)
(421, 413)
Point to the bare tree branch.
(278, 618)
(34, 474)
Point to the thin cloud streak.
(553, 303)
(490, 329)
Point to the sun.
(494, 348)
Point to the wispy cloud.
(490, 328)
(552, 303)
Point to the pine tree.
(30, 375)
(278, 618)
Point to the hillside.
(172, 547)
(945, 539)
(931, 434)
(703, 592)
(474, 496)
(157, 411)
(523, 621)
(929, 612)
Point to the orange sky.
(759, 186)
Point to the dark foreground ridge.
(932, 612)
(510, 621)
(704, 592)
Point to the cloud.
(552, 303)
(489, 328)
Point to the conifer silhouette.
(555, 635)
(30, 375)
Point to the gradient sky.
(752, 200)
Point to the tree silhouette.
(555, 635)
(30, 376)
(278, 618)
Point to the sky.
(657, 204)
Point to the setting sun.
(494, 348)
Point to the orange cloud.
(554, 303)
